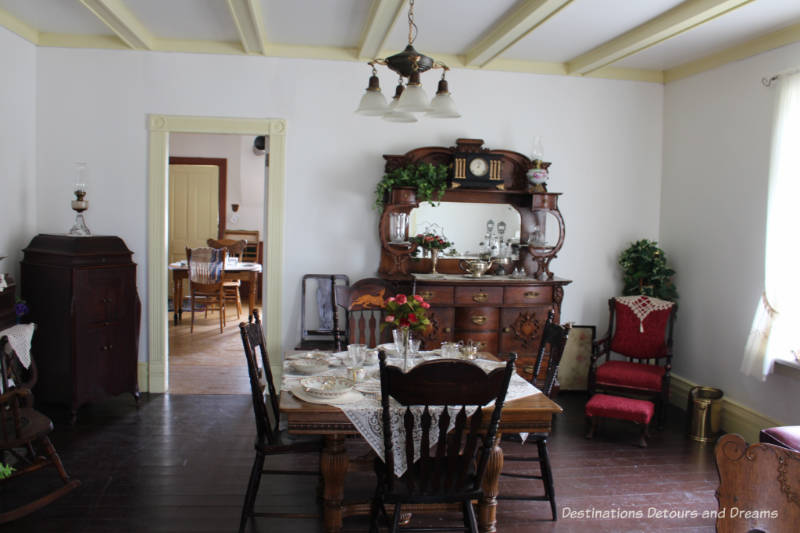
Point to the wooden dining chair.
(206, 271)
(270, 440)
(443, 393)
(553, 341)
(232, 287)
(24, 435)
(363, 303)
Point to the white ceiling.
(651, 40)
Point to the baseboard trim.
(736, 418)
(141, 373)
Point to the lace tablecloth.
(365, 414)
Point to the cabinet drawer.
(434, 294)
(477, 318)
(487, 340)
(479, 295)
(530, 294)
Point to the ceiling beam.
(12, 23)
(250, 23)
(677, 20)
(116, 15)
(763, 43)
(515, 25)
(382, 16)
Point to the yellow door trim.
(160, 126)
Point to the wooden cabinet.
(82, 295)
(506, 315)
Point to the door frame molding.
(222, 183)
(159, 127)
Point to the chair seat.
(621, 408)
(33, 426)
(785, 436)
(630, 375)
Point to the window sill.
(789, 369)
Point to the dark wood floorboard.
(180, 464)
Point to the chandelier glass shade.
(411, 98)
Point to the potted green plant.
(429, 181)
(645, 271)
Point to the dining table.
(233, 271)
(526, 410)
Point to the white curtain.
(775, 332)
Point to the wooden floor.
(207, 361)
(180, 464)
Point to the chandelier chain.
(412, 27)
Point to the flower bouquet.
(433, 243)
(406, 313)
(430, 241)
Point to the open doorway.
(271, 226)
(216, 192)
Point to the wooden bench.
(621, 408)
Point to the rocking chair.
(23, 435)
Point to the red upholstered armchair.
(640, 332)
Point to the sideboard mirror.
(465, 223)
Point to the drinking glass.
(356, 353)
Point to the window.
(775, 332)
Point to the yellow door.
(193, 207)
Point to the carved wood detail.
(527, 328)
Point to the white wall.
(604, 138)
(245, 172)
(717, 131)
(17, 149)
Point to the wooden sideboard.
(504, 314)
(81, 292)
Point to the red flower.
(389, 318)
(412, 318)
(419, 298)
(404, 323)
(426, 305)
(401, 299)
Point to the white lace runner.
(366, 415)
(642, 306)
(19, 338)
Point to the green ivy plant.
(645, 271)
(5, 471)
(429, 180)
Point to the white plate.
(308, 366)
(326, 387)
(308, 355)
(352, 396)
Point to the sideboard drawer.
(477, 318)
(479, 295)
(435, 294)
(531, 294)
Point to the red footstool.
(621, 408)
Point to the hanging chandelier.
(409, 97)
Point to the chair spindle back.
(262, 386)
(554, 339)
(455, 393)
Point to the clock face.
(478, 167)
